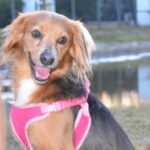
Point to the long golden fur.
(73, 56)
(51, 61)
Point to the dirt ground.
(135, 121)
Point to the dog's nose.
(46, 58)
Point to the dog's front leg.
(53, 133)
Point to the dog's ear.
(82, 47)
(12, 35)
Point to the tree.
(42, 4)
(84, 10)
(5, 11)
(64, 7)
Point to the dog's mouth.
(40, 73)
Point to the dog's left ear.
(82, 47)
(12, 37)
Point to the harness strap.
(62, 105)
(82, 126)
(82, 122)
(22, 117)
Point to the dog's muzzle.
(40, 73)
(47, 58)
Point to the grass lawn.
(116, 33)
(136, 123)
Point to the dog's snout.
(46, 58)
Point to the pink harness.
(22, 117)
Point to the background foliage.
(5, 11)
(86, 10)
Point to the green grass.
(120, 38)
(114, 33)
(136, 123)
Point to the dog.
(50, 57)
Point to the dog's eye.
(62, 40)
(36, 34)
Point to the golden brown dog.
(51, 61)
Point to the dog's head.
(50, 43)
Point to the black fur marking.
(105, 133)
(70, 88)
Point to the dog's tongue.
(42, 72)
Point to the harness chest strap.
(22, 117)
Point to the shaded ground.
(135, 121)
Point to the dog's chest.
(26, 88)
